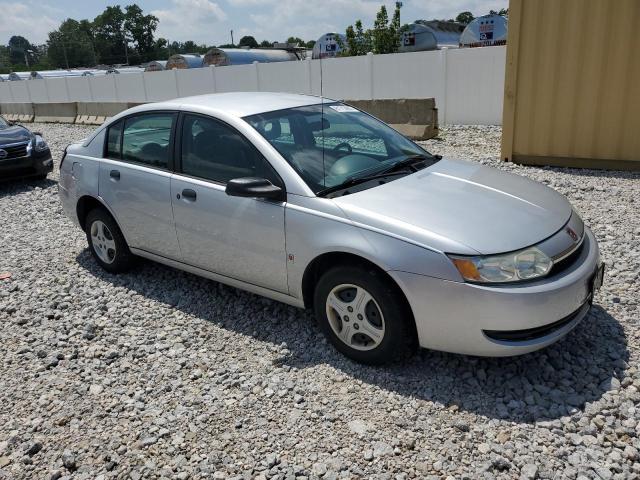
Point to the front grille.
(537, 332)
(15, 151)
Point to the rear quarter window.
(114, 137)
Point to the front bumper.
(33, 165)
(464, 318)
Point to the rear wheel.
(363, 314)
(106, 242)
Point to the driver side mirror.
(252, 187)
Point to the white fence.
(467, 84)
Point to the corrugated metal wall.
(572, 86)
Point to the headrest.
(270, 129)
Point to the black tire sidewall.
(395, 342)
(123, 260)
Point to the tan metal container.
(572, 86)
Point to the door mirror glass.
(254, 187)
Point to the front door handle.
(115, 174)
(189, 194)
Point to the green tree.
(161, 48)
(394, 31)
(465, 18)
(110, 38)
(5, 60)
(358, 41)
(21, 51)
(380, 33)
(383, 38)
(70, 46)
(189, 47)
(140, 28)
(266, 44)
(310, 44)
(350, 47)
(114, 36)
(503, 12)
(248, 41)
(295, 41)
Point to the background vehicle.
(316, 204)
(22, 153)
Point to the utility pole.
(232, 38)
(126, 52)
(399, 6)
(64, 50)
(95, 58)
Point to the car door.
(135, 181)
(242, 238)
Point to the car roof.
(242, 104)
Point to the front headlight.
(39, 144)
(525, 264)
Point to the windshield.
(328, 145)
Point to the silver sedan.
(316, 204)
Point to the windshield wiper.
(395, 169)
(408, 161)
(351, 181)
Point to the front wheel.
(106, 242)
(363, 314)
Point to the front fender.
(315, 226)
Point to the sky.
(210, 21)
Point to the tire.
(106, 242)
(379, 325)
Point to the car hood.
(461, 207)
(14, 134)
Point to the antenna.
(324, 170)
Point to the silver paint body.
(405, 227)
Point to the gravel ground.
(161, 374)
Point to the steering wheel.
(337, 148)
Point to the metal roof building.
(485, 31)
(183, 60)
(156, 66)
(16, 76)
(328, 45)
(243, 56)
(120, 70)
(430, 35)
(41, 74)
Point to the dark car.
(22, 153)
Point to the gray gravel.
(161, 374)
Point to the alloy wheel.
(355, 317)
(102, 242)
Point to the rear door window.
(146, 139)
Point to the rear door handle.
(115, 174)
(189, 194)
